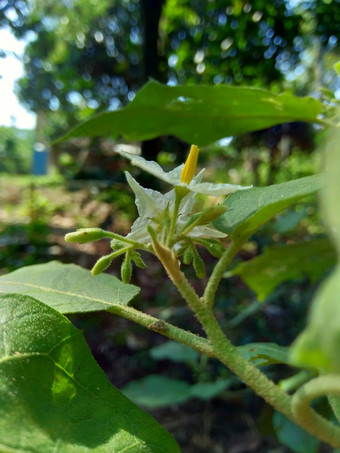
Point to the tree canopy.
(84, 57)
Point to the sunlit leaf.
(68, 288)
(53, 395)
(198, 114)
(247, 210)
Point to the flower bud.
(198, 263)
(190, 165)
(102, 264)
(187, 255)
(126, 269)
(84, 235)
(212, 213)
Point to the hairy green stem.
(307, 417)
(222, 347)
(138, 245)
(178, 200)
(218, 271)
(166, 329)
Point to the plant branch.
(307, 417)
(164, 328)
(218, 271)
(178, 200)
(223, 349)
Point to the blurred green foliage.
(16, 146)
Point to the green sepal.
(138, 260)
(84, 235)
(126, 269)
(210, 214)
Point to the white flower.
(174, 177)
(152, 204)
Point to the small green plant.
(48, 379)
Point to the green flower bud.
(188, 255)
(198, 263)
(126, 269)
(212, 213)
(84, 235)
(102, 264)
(117, 245)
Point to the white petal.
(208, 188)
(206, 232)
(149, 202)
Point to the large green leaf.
(248, 209)
(68, 288)
(199, 114)
(53, 395)
(264, 273)
(319, 344)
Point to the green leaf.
(157, 391)
(319, 344)
(247, 210)
(208, 390)
(265, 272)
(289, 220)
(198, 114)
(293, 436)
(53, 395)
(177, 352)
(262, 354)
(68, 288)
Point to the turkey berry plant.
(86, 413)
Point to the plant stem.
(307, 417)
(222, 347)
(218, 271)
(178, 200)
(138, 245)
(166, 329)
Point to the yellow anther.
(190, 165)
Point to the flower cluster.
(169, 216)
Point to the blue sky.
(12, 113)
